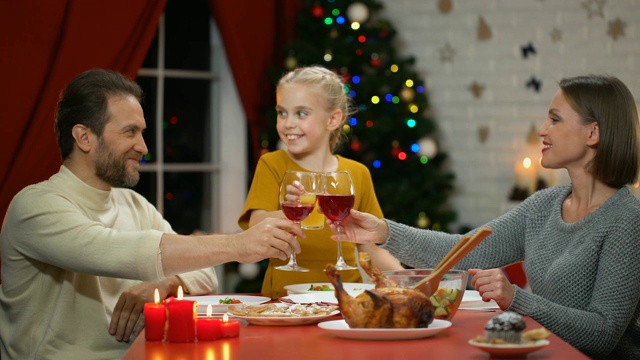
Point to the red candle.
(154, 319)
(229, 328)
(209, 328)
(181, 318)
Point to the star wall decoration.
(484, 30)
(556, 35)
(476, 89)
(616, 28)
(528, 50)
(447, 53)
(594, 8)
(534, 84)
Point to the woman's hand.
(362, 228)
(492, 284)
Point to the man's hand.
(270, 238)
(127, 314)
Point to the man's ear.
(594, 135)
(335, 119)
(83, 137)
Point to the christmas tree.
(392, 132)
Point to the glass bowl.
(446, 299)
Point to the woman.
(579, 242)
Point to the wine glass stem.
(340, 258)
(292, 259)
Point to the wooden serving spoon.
(430, 284)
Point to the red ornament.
(356, 145)
(376, 62)
(317, 11)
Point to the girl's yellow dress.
(318, 249)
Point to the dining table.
(310, 341)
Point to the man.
(81, 254)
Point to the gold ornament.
(532, 137)
(291, 63)
(445, 6)
(476, 89)
(423, 221)
(616, 28)
(483, 133)
(407, 94)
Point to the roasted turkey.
(386, 306)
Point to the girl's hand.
(492, 284)
(362, 228)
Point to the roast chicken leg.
(386, 306)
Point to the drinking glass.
(297, 200)
(336, 201)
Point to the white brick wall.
(485, 172)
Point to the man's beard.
(112, 169)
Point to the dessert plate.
(509, 350)
(340, 329)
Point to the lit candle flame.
(526, 163)
(209, 310)
(180, 294)
(225, 318)
(156, 296)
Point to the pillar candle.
(526, 177)
(154, 319)
(181, 318)
(229, 328)
(208, 328)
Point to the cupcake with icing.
(507, 327)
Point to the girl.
(312, 107)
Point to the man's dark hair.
(84, 101)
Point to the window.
(194, 175)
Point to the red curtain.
(44, 44)
(254, 34)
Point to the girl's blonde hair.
(332, 87)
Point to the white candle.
(526, 177)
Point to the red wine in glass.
(297, 200)
(336, 201)
(296, 211)
(336, 207)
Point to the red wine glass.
(336, 201)
(297, 200)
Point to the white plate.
(340, 328)
(471, 296)
(284, 320)
(354, 289)
(471, 300)
(328, 297)
(509, 350)
(214, 300)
